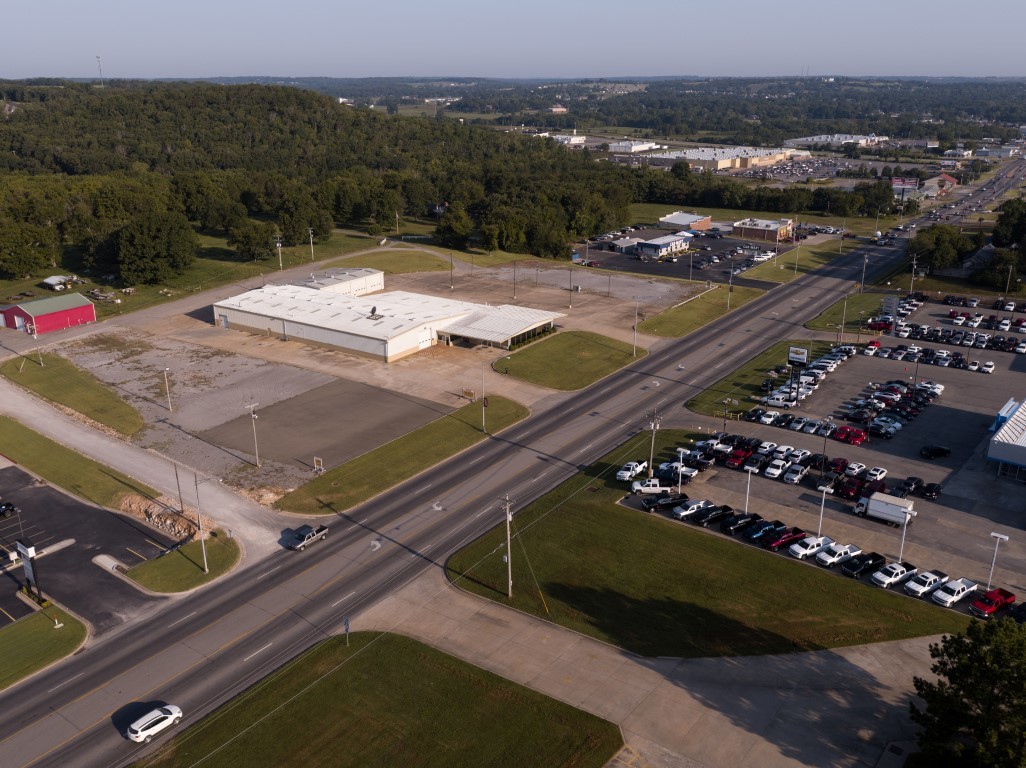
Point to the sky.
(526, 38)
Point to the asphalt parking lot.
(68, 534)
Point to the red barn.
(50, 314)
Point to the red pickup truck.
(737, 458)
(991, 602)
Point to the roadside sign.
(797, 355)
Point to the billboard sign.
(797, 356)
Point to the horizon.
(314, 38)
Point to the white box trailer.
(891, 509)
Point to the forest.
(124, 175)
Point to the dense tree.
(1010, 228)
(26, 249)
(974, 713)
(154, 247)
(253, 240)
(941, 246)
(454, 228)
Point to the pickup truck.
(306, 535)
(953, 591)
(860, 565)
(988, 604)
(653, 485)
(836, 554)
(893, 573)
(631, 469)
(737, 458)
(925, 583)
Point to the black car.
(1017, 613)
(697, 462)
(935, 452)
(707, 517)
(879, 430)
(7, 509)
(671, 475)
(817, 461)
(739, 521)
(751, 443)
(912, 484)
(784, 420)
(755, 463)
(755, 414)
(661, 503)
(862, 564)
(931, 490)
(765, 528)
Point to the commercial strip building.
(1008, 445)
(767, 230)
(661, 247)
(693, 222)
(837, 140)
(47, 315)
(385, 326)
(726, 158)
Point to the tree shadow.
(812, 705)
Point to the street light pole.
(167, 389)
(748, 490)
(654, 425)
(634, 351)
(309, 231)
(484, 400)
(998, 538)
(277, 242)
(514, 279)
(822, 507)
(844, 314)
(256, 447)
(901, 550)
(865, 262)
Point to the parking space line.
(5, 613)
(137, 554)
(258, 651)
(156, 544)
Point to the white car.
(809, 546)
(766, 448)
(836, 554)
(799, 455)
(987, 367)
(869, 351)
(776, 468)
(798, 424)
(973, 366)
(769, 417)
(152, 723)
(795, 474)
(782, 451)
(876, 473)
(811, 426)
(855, 469)
(888, 421)
(1021, 349)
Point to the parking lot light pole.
(199, 522)
(484, 399)
(634, 347)
(167, 389)
(654, 426)
(748, 490)
(680, 467)
(901, 550)
(822, 508)
(822, 471)
(277, 242)
(998, 538)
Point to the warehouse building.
(386, 326)
(1008, 445)
(690, 221)
(661, 247)
(358, 281)
(48, 315)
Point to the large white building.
(722, 158)
(837, 140)
(346, 282)
(660, 247)
(384, 326)
(632, 147)
(1008, 445)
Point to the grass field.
(59, 381)
(783, 268)
(685, 318)
(67, 469)
(182, 569)
(868, 304)
(28, 645)
(743, 384)
(659, 588)
(365, 476)
(569, 361)
(650, 213)
(394, 262)
(387, 701)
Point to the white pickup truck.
(631, 469)
(836, 554)
(953, 591)
(653, 485)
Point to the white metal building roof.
(386, 315)
(1009, 442)
(328, 277)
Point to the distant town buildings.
(722, 158)
(632, 147)
(836, 140)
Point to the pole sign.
(798, 356)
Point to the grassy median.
(34, 642)
(387, 701)
(366, 476)
(570, 360)
(656, 587)
(182, 569)
(67, 469)
(58, 380)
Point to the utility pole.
(199, 522)
(99, 66)
(509, 552)
(634, 351)
(277, 242)
(167, 389)
(912, 283)
(256, 448)
(309, 231)
(653, 422)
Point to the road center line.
(66, 682)
(258, 651)
(425, 488)
(181, 620)
(343, 599)
(268, 573)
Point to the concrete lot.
(68, 535)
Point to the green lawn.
(570, 360)
(182, 569)
(387, 701)
(32, 643)
(743, 384)
(67, 469)
(396, 261)
(692, 315)
(782, 269)
(656, 587)
(59, 381)
(650, 213)
(378, 470)
(867, 303)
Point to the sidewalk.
(836, 708)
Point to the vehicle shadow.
(124, 716)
